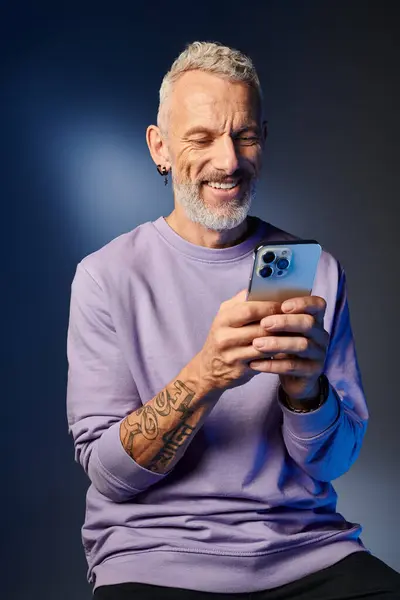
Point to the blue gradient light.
(102, 177)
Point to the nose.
(225, 157)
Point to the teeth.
(222, 186)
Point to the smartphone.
(283, 270)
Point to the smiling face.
(215, 141)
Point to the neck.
(199, 235)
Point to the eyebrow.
(202, 129)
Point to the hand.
(298, 342)
(223, 362)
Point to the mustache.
(245, 177)
(218, 178)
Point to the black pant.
(359, 575)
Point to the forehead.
(205, 99)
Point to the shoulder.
(125, 252)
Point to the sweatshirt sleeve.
(100, 393)
(327, 441)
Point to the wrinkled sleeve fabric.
(100, 393)
(327, 441)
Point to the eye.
(248, 139)
(201, 142)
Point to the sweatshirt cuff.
(120, 466)
(312, 424)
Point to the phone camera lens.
(266, 271)
(269, 257)
(282, 264)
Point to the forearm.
(157, 434)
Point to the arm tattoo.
(148, 425)
(164, 400)
(173, 440)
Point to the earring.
(163, 171)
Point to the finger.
(311, 305)
(301, 324)
(253, 311)
(298, 346)
(246, 354)
(297, 367)
(232, 337)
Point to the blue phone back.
(283, 270)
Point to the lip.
(224, 194)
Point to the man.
(211, 426)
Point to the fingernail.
(287, 306)
(258, 343)
(267, 324)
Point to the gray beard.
(217, 219)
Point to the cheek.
(189, 167)
(253, 156)
(258, 159)
(252, 166)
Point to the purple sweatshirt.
(250, 505)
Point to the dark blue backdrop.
(78, 88)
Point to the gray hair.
(211, 57)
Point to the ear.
(157, 146)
